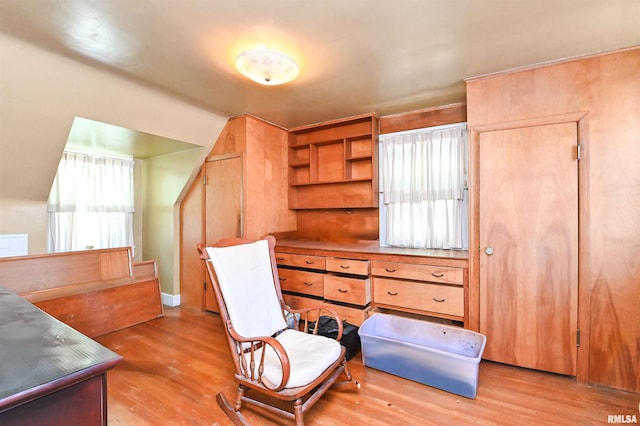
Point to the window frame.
(382, 209)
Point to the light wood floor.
(174, 366)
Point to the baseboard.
(170, 299)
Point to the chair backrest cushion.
(247, 286)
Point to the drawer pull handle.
(440, 275)
(344, 266)
(343, 291)
(279, 258)
(435, 299)
(309, 262)
(282, 279)
(390, 269)
(308, 284)
(395, 293)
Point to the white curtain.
(423, 183)
(91, 203)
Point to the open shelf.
(299, 156)
(337, 159)
(361, 147)
(344, 181)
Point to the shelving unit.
(333, 164)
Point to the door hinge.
(578, 337)
(579, 152)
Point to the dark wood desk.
(49, 373)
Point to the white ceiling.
(356, 56)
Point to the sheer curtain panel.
(91, 203)
(423, 184)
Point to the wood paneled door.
(528, 234)
(223, 205)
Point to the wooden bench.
(94, 291)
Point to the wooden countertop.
(372, 250)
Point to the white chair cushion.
(309, 356)
(246, 282)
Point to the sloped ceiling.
(104, 138)
(355, 56)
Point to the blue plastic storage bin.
(438, 355)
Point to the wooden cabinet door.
(192, 272)
(529, 246)
(223, 206)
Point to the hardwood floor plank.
(175, 365)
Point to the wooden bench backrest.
(145, 270)
(24, 274)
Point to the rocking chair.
(274, 357)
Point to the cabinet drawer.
(301, 302)
(311, 283)
(351, 315)
(301, 261)
(348, 266)
(421, 296)
(413, 271)
(347, 290)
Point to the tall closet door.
(223, 206)
(529, 246)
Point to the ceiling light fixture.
(267, 67)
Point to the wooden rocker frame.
(301, 398)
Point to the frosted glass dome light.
(267, 67)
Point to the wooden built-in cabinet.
(557, 275)
(334, 164)
(359, 279)
(330, 178)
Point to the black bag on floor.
(328, 327)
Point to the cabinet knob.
(488, 250)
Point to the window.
(423, 183)
(91, 203)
